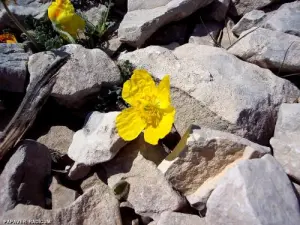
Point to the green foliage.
(44, 33)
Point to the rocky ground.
(234, 157)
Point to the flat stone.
(98, 141)
(249, 20)
(242, 98)
(13, 67)
(245, 6)
(83, 75)
(269, 52)
(201, 159)
(26, 170)
(175, 218)
(149, 192)
(58, 138)
(78, 171)
(145, 17)
(285, 143)
(97, 204)
(254, 192)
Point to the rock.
(98, 141)
(90, 182)
(95, 14)
(201, 159)
(204, 34)
(21, 9)
(269, 52)
(286, 19)
(285, 142)
(220, 9)
(245, 6)
(98, 204)
(83, 75)
(61, 195)
(149, 192)
(145, 17)
(58, 138)
(254, 192)
(26, 170)
(78, 171)
(227, 38)
(249, 20)
(241, 98)
(13, 70)
(174, 218)
(113, 46)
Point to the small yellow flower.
(8, 38)
(150, 110)
(62, 13)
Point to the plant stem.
(61, 32)
(19, 25)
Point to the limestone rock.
(285, 142)
(149, 192)
(95, 14)
(145, 17)
(213, 88)
(78, 171)
(13, 69)
(83, 75)
(220, 8)
(26, 170)
(98, 141)
(228, 38)
(269, 52)
(254, 192)
(174, 218)
(244, 6)
(58, 138)
(201, 159)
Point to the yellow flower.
(8, 38)
(62, 13)
(150, 110)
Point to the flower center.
(152, 114)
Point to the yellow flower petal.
(129, 124)
(139, 85)
(8, 38)
(164, 93)
(153, 134)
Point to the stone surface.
(201, 159)
(174, 218)
(13, 69)
(78, 171)
(90, 182)
(204, 34)
(112, 46)
(227, 38)
(97, 204)
(249, 20)
(83, 75)
(285, 143)
(285, 19)
(220, 8)
(23, 179)
(269, 52)
(58, 138)
(213, 88)
(145, 17)
(254, 192)
(150, 193)
(244, 6)
(98, 141)
(95, 14)
(61, 195)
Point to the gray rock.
(13, 67)
(78, 171)
(61, 196)
(90, 182)
(97, 204)
(174, 218)
(269, 52)
(145, 17)
(220, 8)
(58, 138)
(98, 141)
(249, 20)
(83, 75)
(227, 38)
(206, 34)
(95, 14)
(213, 88)
(286, 19)
(245, 6)
(201, 159)
(149, 193)
(23, 179)
(286, 142)
(254, 192)
(112, 46)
